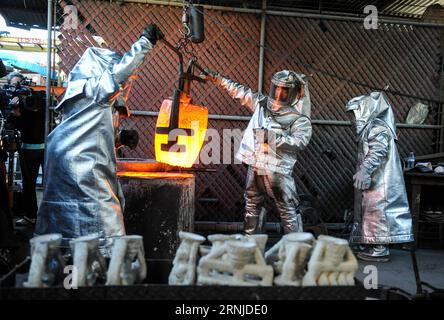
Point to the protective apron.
(82, 194)
(382, 213)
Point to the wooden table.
(414, 182)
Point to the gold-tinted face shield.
(284, 91)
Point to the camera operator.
(28, 117)
(7, 239)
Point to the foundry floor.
(398, 272)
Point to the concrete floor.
(398, 272)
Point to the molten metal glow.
(154, 175)
(190, 117)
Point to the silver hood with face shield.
(289, 93)
(369, 107)
(382, 213)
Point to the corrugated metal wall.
(406, 58)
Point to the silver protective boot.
(375, 253)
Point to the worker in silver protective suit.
(82, 194)
(279, 128)
(382, 213)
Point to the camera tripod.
(10, 143)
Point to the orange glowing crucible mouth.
(180, 146)
(154, 175)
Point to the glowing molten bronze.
(155, 175)
(179, 145)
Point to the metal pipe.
(144, 113)
(228, 117)
(418, 126)
(313, 121)
(300, 14)
(360, 19)
(211, 116)
(211, 7)
(331, 122)
(192, 169)
(260, 81)
(48, 70)
(441, 94)
(213, 200)
(237, 227)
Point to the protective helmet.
(284, 91)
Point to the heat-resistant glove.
(153, 33)
(211, 76)
(362, 180)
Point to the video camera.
(8, 104)
(21, 89)
(17, 90)
(9, 135)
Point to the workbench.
(414, 185)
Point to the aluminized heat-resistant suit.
(82, 194)
(382, 212)
(271, 164)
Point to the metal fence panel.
(405, 57)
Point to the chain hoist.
(181, 125)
